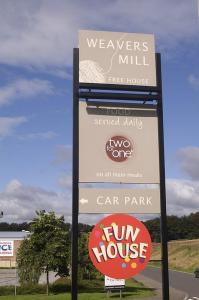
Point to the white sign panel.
(118, 145)
(146, 201)
(117, 58)
(6, 248)
(112, 282)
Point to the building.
(9, 244)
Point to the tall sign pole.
(163, 222)
(75, 191)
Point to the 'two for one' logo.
(119, 148)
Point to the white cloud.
(65, 181)
(23, 88)
(189, 161)
(182, 196)
(42, 33)
(61, 72)
(193, 80)
(12, 186)
(63, 154)
(48, 135)
(35, 32)
(198, 7)
(19, 202)
(8, 125)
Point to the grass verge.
(183, 255)
(132, 290)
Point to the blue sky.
(37, 38)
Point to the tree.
(86, 270)
(48, 246)
(154, 229)
(29, 269)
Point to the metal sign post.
(165, 273)
(125, 96)
(75, 196)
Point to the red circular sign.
(120, 246)
(119, 148)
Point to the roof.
(13, 235)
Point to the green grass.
(183, 255)
(154, 264)
(36, 297)
(133, 289)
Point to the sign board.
(118, 145)
(146, 201)
(6, 248)
(117, 58)
(120, 246)
(113, 282)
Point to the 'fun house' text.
(125, 244)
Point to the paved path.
(174, 294)
(8, 277)
(180, 283)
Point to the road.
(181, 281)
(8, 277)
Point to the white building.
(9, 244)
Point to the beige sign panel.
(117, 58)
(118, 145)
(119, 201)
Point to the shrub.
(7, 290)
(61, 285)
